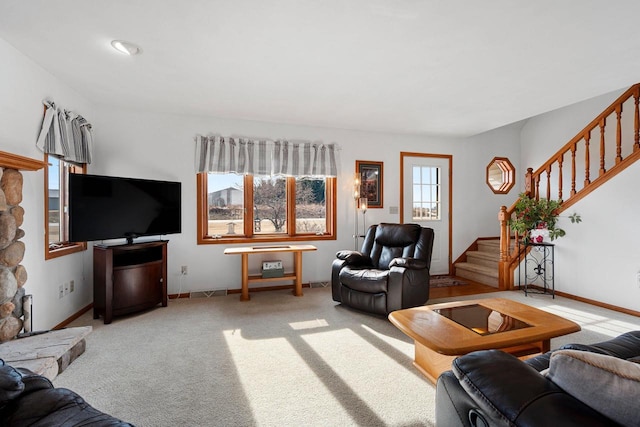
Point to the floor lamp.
(363, 207)
(356, 197)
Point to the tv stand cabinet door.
(128, 278)
(137, 287)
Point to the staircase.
(583, 164)
(481, 263)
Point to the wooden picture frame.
(371, 179)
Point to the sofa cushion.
(11, 385)
(609, 385)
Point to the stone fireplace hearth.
(47, 353)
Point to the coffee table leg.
(430, 363)
(545, 346)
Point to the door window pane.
(426, 193)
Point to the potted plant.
(537, 219)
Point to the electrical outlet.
(183, 270)
(61, 291)
(66, 288)
(72, 286)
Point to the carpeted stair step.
(478, 273)
(481, 265)
(492, 246)
(484, 258)
(489, 245)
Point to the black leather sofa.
(28, 399)
(493, 388)
(390, 272)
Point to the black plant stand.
(538, 269)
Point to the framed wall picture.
(370, 174)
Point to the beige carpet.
(276, 360)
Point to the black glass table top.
(482, 320)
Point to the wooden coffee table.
(442, 332)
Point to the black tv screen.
(105, 207)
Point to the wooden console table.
(296, 276)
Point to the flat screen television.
(106, 207)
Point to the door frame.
(404, 154)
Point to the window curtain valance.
(65, 134)
(220, 154)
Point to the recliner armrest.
(354, 258)
(410, 263)
(510, 392)
(11, 385)
(33, 382)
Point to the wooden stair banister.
(590, 141)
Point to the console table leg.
(297, 267)
(245, 278)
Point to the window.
(239, 208)
(56, 207)
(426, 193)
(500, 175)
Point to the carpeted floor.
(276, 360)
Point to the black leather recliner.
(391, 272)
(28, 399)
(493, 388)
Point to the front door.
(426, 200)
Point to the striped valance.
(65, 134)
(261, 157)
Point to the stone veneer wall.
(12, 275)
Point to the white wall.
(598, 258)
(482, 218)
(23, 86)
(159, 146)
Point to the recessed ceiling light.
(125, 47)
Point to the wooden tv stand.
(128, 278)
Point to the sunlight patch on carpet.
(309, 324)
(259, 359)
(369, 373)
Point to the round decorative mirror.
(501, 175)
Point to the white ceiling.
(450, 67)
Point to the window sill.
(64, 249)
(210, 240)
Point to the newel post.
(504, 233)
(503, 264)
